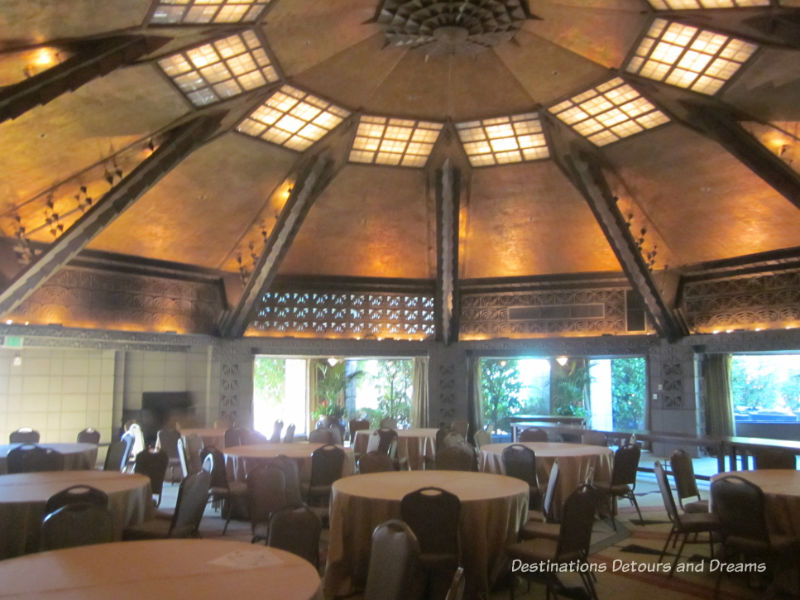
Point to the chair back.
(24, 435)
(441, 434)
(288, 437)
(233, 437)
(89, 436)
(76, 494)
(326, 465)
(356, 425)
(433, 515)
(266, 493)
(323, 435)
(291, 476)
(194, 447)
(456, 590)
(182, 460)
(375, 462)
(626, 462)
(388, 423)
(190, 505)
(117, 454)
(138, 444)
(775, 458)
(167, 440)
(577, 519)
(740, 507)
(296, 529)
(550, 492)
(482, 437)
(29, 458)
(154, 465)
(461, 427)
(520, 461)
(277, 428)
(77, 524)
(456, 458)
(394, 567)
(533, 434)
(214, 465)
(683, 472)
(593, 438)
(251, 436)
(666, 492)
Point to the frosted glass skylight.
(387, 141)
(293, 118)
(696, 4)
(503, 140)
(609, 112)
(221, 69)
(689, 57)
(171, 12)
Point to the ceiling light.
(697, 4)
(218, 70)
(609, 112)
(562, 360)
(171, 12)
(503, 140)
(689, 57)
(387, 141)
(293, 118)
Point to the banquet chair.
(228, 494)
(326, 467)
(441, 434)
(233, 437)
(276, 432)
(433, 515)
(623, 479)
(288, 437)
(266, 493)
(136, 436)
(182, 460)
(185, 521)
(533, 434)
(457, 458)
(775, 458)
(543, 523)
(291, 476)
(571, 547)
(460, 427)
(24, 435)
(741, 508)
(594, 438)
(456, 591)
(296, 529)
(117, 454)
(482, 438)
(89, 436)
(685, 483)
(683, 524)
(76, 494)
(154, 465)
(323, 435)
(394, 564)
(356, 425)
(375, 462)
(520, 461)
(251, 436)
(388, 423)
(167, 440)
(76, 524)
(193, 445)
(30, 458)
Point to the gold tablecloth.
(414, 445)
(195, 569)
(76, 456)
(23, 496)
(493, 508)
(574, 462)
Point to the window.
(383, 388)
(280, 393)
(765, 390)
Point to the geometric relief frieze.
(447, 395)
(672, 385)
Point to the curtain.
(718, 403)
(311, 390)
(475, 392)
(419, 400)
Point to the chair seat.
(540, 549)
(697, 522)
(778, 544)
(606, 488)
(540, 529)
(149, 530)
(698, 506)
(431, 560)
(319, 490)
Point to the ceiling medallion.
(460, 27)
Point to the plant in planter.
(332, 381)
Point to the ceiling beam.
(766, 25)
(448, 192)
(176, 146)
(313, 178)
(92, 59)
(719, 122)
(582, 166)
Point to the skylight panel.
(293, 118)
(388, 141)
(609, 112)
(173, 12)
(219, 70)
(503, 140)
(698, 4)
(689, 57)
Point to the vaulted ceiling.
(714, 178)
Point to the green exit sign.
(13, 341)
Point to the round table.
(196, 569)
(574, 463)
(76, 456)
(211, 436)
(23, 497)
(781, 489)
(493, 508)
(240, 460)
(415, 445)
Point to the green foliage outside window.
(501, 389)
(628, 392)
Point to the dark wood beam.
(313, 178)
(92, 58)
(581, 164)
(715, 120)
(765, 25)
(177, 146)
(448, 191)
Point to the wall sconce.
(562, 360)
(17, 362)
(333, 361)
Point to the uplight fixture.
(562, 360)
